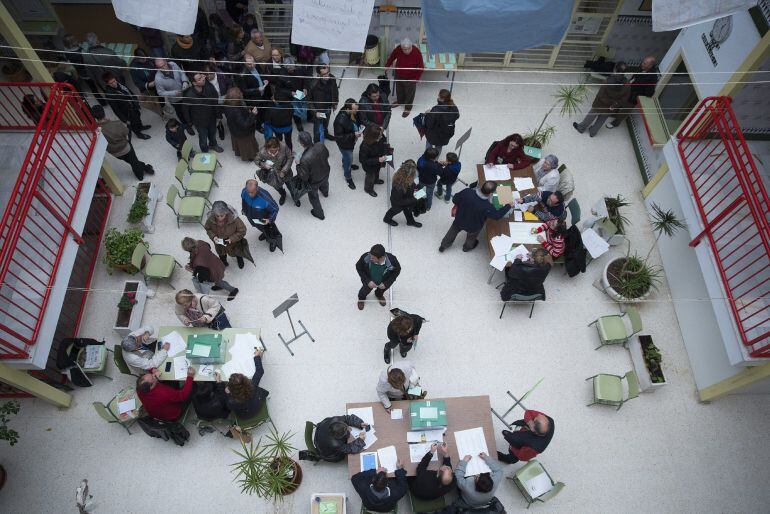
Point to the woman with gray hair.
(138, 350)
(547, 173)
(228, 232)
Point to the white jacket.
(143, 360)
(385, 391)
(546, 180)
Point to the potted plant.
(632, 278)
(568, 99)
(613, 212)
(130, 307)
(266, 469)
(652, 360)
(142, 210)
(7, 411)
(138, 209)
(119, 249)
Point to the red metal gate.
(733, 204)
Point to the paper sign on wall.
(331, 24)
(175, 16)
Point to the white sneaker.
(609, 125)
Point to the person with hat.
(138, 350)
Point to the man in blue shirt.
(260, 209)
(473, 210)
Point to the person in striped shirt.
(555, 230)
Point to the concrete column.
(16, 38)
(112, 180)
(27, 383)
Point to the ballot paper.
(175, 340)
(369, 439)
(594, 243)
(242, 355)
(472, 442)
(396, 414)
(420, 193)
(521, 233)
(365, 413)
(418, 450)
(501, 244)
(517, 215)
(521, 183)
(414, 391)
(206, 371)
(126, 405)
(426, 436)
(497, 172)
(538, 485)
(258, 221)
(205, 158)
(201, 350)
(368, 461)
(388, 458)
(519, 250)
(180, 367)
(299, 95)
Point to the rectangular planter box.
(152, 201)
(135, 319)
(637, 358)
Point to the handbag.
(220, 321)
(297, 187)
(221, 130)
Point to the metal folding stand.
(517, 402)
(284, 307)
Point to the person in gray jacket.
(138, 350)
(478, 490)
(171, 82)
(314, 169)
(395, 382)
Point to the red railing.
(734, 207)
(54, 123)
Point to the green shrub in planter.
(120, 247)
(139, 208)
(7, 411)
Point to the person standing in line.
(119, 142)
(428, 172)
(402, 195)
(142, 71)
(408, 67)
(175, 136)
(313, 168)
(323, 96)
(124, 104)
(449, 174)
(641, 83)
(259, 47)
(274, 166)
(200, 310)
(189, 50)
(611, 98)
(228, 232)
(202, 109)
(260, 209)
(373, 109)
(208, 271)
(378, 270)
(171, 82)
(395, 382)
(403, 332)
(279, 116)
(346, 132)
(440, 121)
(242, 123)
(373, 154)
(473, 209)
(98, 59)
(254, 88)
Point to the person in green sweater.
(377, 270)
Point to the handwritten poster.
(332, 24)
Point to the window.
(677, 98)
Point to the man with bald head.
(532, 437)
(641, 83)
(408, 68)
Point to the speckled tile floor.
(663, 452)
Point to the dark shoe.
(223, 258)
(351, 184)
(218, 149)
(405, 114)
(145, 127)
(282, 199)
(379, 181)
(354, 166)
(591, 134)
(475, 244)
(386, 354)
(415, 224)
(149, 170)
(216, 288)
(298, 203)
(272, 247)
(382, 301)
(402, 352)
(262, 237)
(392, 223)
(190, 131)
(330, 137)
(232, 295)
(319, 216)
(240, 262)
(441, 249)
(142, 136)
(372, 193)
(360, 305)
(575, 126)
(326, 194)
(438, 194)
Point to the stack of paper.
(418, 450)
(497, 172)
(126, 405)
(242, 355)
(521, 233)
(472, 442)
(538, 485)
(522, 183)
(93, 354)
(504, 253)
(366, 414)
(388, 458)
(175, 340)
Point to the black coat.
(524, 278)
(643, 84)
(249, 86)
(344, 132)
(331, 449)
(401, 199)
(473, 211)
(369, 155)
(393, 336)
(280, 112)
(240, 121)
(426, 484)
(362, 483)
(362, 267)
(525, 438)
(323, 95)
(124, 103)
(210, 401)
(366, 112)
(313, 166)
(251, 407)
(440, 124)
(202, 106)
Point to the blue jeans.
(439, 190)
(347, 160)
(429, 195)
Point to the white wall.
(709, 79)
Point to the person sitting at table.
(210, 402)
(402, 332)
(378, 492)
(555, 232)
(162, 401)
(547, 173)
(431, 484)
(509, 151)
(139, 350)
(545, 205)
(395, 382)
(244, 396)
(200, 310)
(526, 277)
(332, 434)
(473, 210)
(530, 440)
(478, 490)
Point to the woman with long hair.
(372, 155)
(244, 396)
(402, 195)
(440, 121)
(242, 122)
(509, 151)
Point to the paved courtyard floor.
(663, 452)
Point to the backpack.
(164, 429)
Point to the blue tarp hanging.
(494, 25)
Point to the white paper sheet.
(93, 354)
(497, 172)
(331, 24)
(594, 243)
(388, 458)
(418, 450)
(518, 215)
(521, 232)
(206, 371)
(397, 414)
(521, 183)
(425, 436)
(365, 413)
(370, 438)
(178, 344)
(519, 250)
(501, 244)
(180, 367)
(242, 355)
(472, 442)
(201, 350)
(126, 405)
(538, 485)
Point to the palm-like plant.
(568, 100)
(663, 222)
(266, 469)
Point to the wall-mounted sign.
(721, 30)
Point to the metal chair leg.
(502, 311)
(532, 309)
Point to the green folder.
(427, 414)
(205, 348)
(531, 151)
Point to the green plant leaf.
(665, 222)
(570, 98)
(265, 468)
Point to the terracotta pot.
(296, 478)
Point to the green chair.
(262, 417)
(101, 367)
(574, 211)
(311, 449)
(522, 298)
(608, 389)
(200, 162)
(153, 265)
(426, 506)
(198, 184)
(191, 208)
(531, 470)
(109, 412)
(120, 362)
(612, 329)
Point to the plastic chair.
(198, 184)
(608, 389)
(120, 362)
(259, 419)
(109, 412)
(574, 211)
(311, 449)
(200, 162)
(426, 506)
(612, 329)
(191, 208)
(100, 369)
(158, 266)
(521, 298)
(529, 471)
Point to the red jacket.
(526, 453)
(553, 243)
(411, 60)
(500, 155)
(164, 402)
